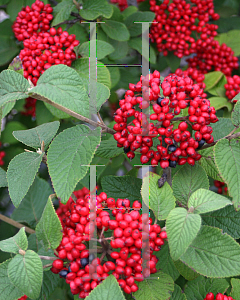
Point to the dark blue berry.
(201, 143)
(63, 273)
(172, 163)
(91, 257)
(159, 100)
(84, 262)
(126, 150)
(172, 148)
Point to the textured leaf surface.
(231, 39)
(236, 114)
(35, 136)
(21, 173)
(103, 49)
(50, 282)
(26, 273)
(3, 178)
(178, 293)
(7, 289)
(235, 292)
(116, 30)
(63, 11)
(222, 128)
(187, 180)
(158, 287)
(182, 228)
(185, 271)
(227, 159)
(68, 156)
(95, 8)
(205, 201)
(160, 200)
(15, 243)
(220, 102)
(212, 78)
(108, 289)
(49, 227)
(13, 86)
(62, 85)
(197, 289)
(213, 254)
(31, 208)
(108, 149)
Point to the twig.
(232, 132)
(47, 266)
(233, 136)
(70, 22)
(16, 224)
(168, 173)
(47, 257)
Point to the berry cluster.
(122, 4)
(232, 87)
(222, 188)
(219, 296)
(177, 146)
(23, 298)
(124, 258)
(175, 23)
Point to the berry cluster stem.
(228, 137)
(16, 224)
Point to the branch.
(74, 114)
(15, 224)
(70, 22)
(228, 137)
(47, 257)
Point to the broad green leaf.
(15, 243)
(13, 8)
(7, 108)
(116, 16)
(95, 8)
(213, 254)
(63, 11)
(108, 289)
(158, 287)
(231, 39)
(185, 271)
(121, 50)
(80, 32)
(220, 102)
(173, 61)
(103, 49)
(207, 162)
(136, 43)
(7, 134)
(160, 200)
(227, 159)
(236, 114)
(26, 273)
(55, 111)
(178, 294)
(33, 243)
(7, 290)
(116, 30)
(222, 128)
(165, 262)
(62, 85)
(182, 228)
(235, 292)
(122, 187)
(139, 16)
(204, 201)
(44, 252)
(21, 173)
(68, 156)
(187, 180)
(13, 86)
(226, 219)
(49, 227)
(50, 282)
(43, 115)
(3, 178)
(236, 98)
(108, 149)
(115, 76)
(8, 49)
(211, 79)
(35, 136)
(31, 208)
(129, 11)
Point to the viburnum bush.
(119, 150)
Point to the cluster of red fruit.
(131, 232)
(23, 298)
(122, 4)
(219, 296)
(222, 188)
(43, 46)
(177, 146)
(232, 87)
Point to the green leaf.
(129, 11)
(227, 159)
(178, 294)
(21, 173)
(237, 97)
(108, 289)
(220, 102)
(185, 271)
(222, 128)
(62, 85)
(165, 262)
(173, 61)
(115, 75)
(198, 289)
(187, 180)
(213, 254)
(211, 79)
(43, 115)
(116, 30)
(7, 108)
(7, 289)
(108, 149)
(44, 252)
(55, 111)
(204, 201)
(8, 49)
(63, 10)
(26, 273)
(7, 134)
(95, 8)
(236, 114)
(136, 29)
(235, 292)
(68, 156)
(13, 86)
(3, 178)
(13, 8)
(121, 50)
(35, 136)
(50, 282)
(103, 49)
(136, 43)
(182, 228)
(226, 219)
(15, 243)
(122, 187)
(160, 200)
(231, 39)
(158, 287)
(31, 208)
(49, 227)
(80, 32)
